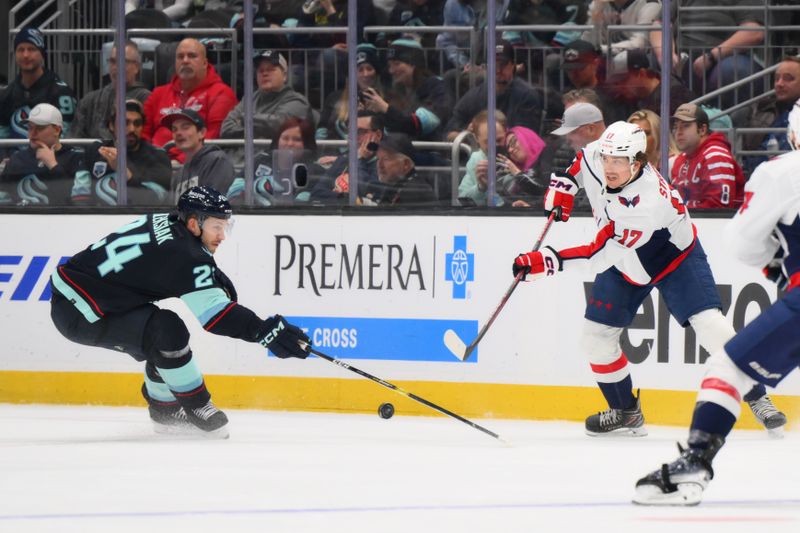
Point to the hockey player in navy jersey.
(103, 296)
(764, 233)
(645, 239)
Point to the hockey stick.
(411, 395)
(451, 339)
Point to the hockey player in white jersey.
(765, 233)
(645, 239)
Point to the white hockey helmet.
(623, 139)
(794, 126)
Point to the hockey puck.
(386, 410)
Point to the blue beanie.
(31, 35)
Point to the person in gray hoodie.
(273, 102)
(206, 166)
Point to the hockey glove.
(538, 264)
(284, 339)
(226, 283)
(560, 196)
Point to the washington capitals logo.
(633, 202)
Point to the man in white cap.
(45, 172)
(582, 124)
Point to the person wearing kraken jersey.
(645, 240)
(35, 84)
(103, 296)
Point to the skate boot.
(628, 422)
(682, 481)
(769, 416)
(169, 418)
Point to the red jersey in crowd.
(709, 177)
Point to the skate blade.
(688, 494)
(189, 430)
(776, 433)
(621, 432)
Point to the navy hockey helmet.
(204, 202)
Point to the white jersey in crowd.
(768, 219)
(644, 228)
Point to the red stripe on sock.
(722, 386)
(611, 367)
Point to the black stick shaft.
(509, 292)
(397, 389)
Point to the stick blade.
(454, 343)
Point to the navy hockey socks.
(619, 395)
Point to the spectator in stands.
(335, 184)
(650, 123)
(195, 85)
(470, 13)
(397, 174)
(517, 178)
(637, 86)
(773, 112)
(273, 102)
(705, 172)
(584, 66)
(416, 104)
(275, 180)
(91, 118)
(518, 101)
(414, 14)
(472, 189)
(605, 13)
(333, 119)
(35, 84)
(148, 172)
(717, 58)
(582, 124)
(45, 172)
(205, 165)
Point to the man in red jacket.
(705, 173)
(195, 85)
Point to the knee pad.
(713, 331)
(600, 342)
(724, 383)
(166, 339)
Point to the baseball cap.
(45, 115)
(504, 50)
(399, 143)
(33, 36)
(578, 54)
(273, 57)
(189, 114)
(628, 61)
(691, 113)
(578, 115)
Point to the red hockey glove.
(560, 196)
(545, 262)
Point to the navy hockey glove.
(226, 283)
(284, 339)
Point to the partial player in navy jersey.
(103, 296)
(765, 233)
(645, 240)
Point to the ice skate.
(769, 416)
(629, 422)
(682, 481)
(169, 418)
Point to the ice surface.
(93, 469)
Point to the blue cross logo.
(459, 267)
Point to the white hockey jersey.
(768, 220)
(644, 228)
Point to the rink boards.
(380, 292)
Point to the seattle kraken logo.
(459, 267)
